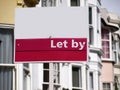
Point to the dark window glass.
(46, 66)
(75, 2)
(6, 78)
(45, 87)
(90, 15)
(91, 36)
(91, 81)
(76, 77)
(6, 45)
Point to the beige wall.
(107, 72)
(117, 71)
(7, 11)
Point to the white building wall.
(94, 54)
(64, 73)
(19, 76)
(36, 76)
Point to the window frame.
(108, 47)
(80, 78)
(10, 64)
(106, 88)
(51, 84)
(115, 48)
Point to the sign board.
(51, 34)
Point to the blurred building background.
(100, 72)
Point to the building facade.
(116, 54)
(110, 25)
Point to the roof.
(110, 19)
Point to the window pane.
(48, 3)
(75, 2)
(105, 34)
(105, 43)
(106, 86)
(45, 87)
(6, 45)
(90, 15)
(76, 77)
(46, 65)
(46, 76)
(51, 74)
(56, 87)
(106, 49)
(91, 81)
(6, 56)
(6, 78)
(75, 74)
(91, 36)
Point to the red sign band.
(53, 49)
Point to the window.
(91, 81)
(75, 2)
(115, 47)
(46, 72)
(6, 77)
(48, 3)
(106, 43)
(106, 86)
(91, 35)
(6, 47)
(51, 76)
(115, 56)
(91, 32)
(7, 70)
(76, 78)
(45, 86)
(90, 15)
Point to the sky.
(112, 6)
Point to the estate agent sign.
(51, 34)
